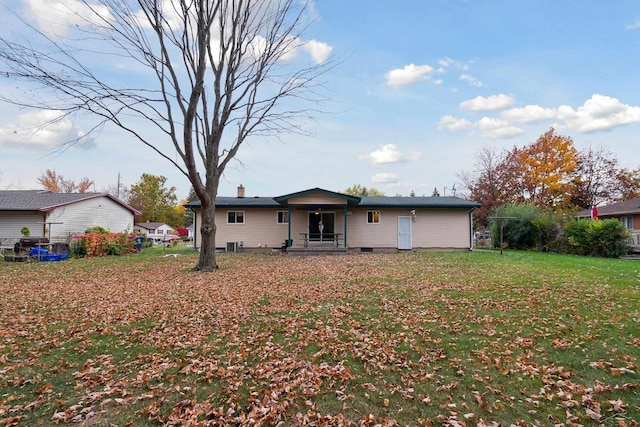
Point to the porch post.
(345, 225)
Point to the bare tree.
(596, 181)
(486, 184)
(209, 73)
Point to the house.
(57, 216)
(627, 212)
(318, 218)
(158, 231)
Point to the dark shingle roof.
(631, 206)
(421, 202)
(240, 202)
(365, 202)
(46, 201)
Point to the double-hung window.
(235, 217)
(283, 217)
(627, 221)
(373, 217)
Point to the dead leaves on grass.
(375, 340)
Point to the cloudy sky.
(420, 87)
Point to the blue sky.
(420, 87)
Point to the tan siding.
(435, 228)
(317, 199)
(260, 229)
(441, 228)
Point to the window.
(627, 221)
(283, 217)
(373, 217)
(160, 231)
(235, 217)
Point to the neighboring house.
(317, 217)
(158, 231)
(627, 212)
(57, 216)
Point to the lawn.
(456, 339)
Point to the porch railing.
(634, 239)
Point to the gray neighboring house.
(60, 215)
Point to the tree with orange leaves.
(541, 173)
(55, 183)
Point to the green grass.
(521, 338)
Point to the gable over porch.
(326, 213)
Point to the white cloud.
(633, 26)
(497, 128)
(415, 155)
(454, 124)
(490, 103)
(319, 51)
(56, 16)
(530, 113)
(385, 178)
(602, 113)
(408, 75)
(472, 81)
(448, 62)
(45, 129)
(385, 154)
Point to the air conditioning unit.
(233, 246)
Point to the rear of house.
(319, 218)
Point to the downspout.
(345, 226)
(471, 229)
(195, 228)
(289, 226)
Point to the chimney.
(240, 191)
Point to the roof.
(365, 202)
(417, 202)
(626, 207)
(47, 201)
(151, 225)
(351, 200)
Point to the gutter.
(471, 229)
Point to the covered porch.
(317, 220)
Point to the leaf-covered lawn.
(457, 339)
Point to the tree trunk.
(207, 261)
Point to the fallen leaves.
(386, 340)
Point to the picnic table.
(325, 237)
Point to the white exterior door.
(404, 232)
